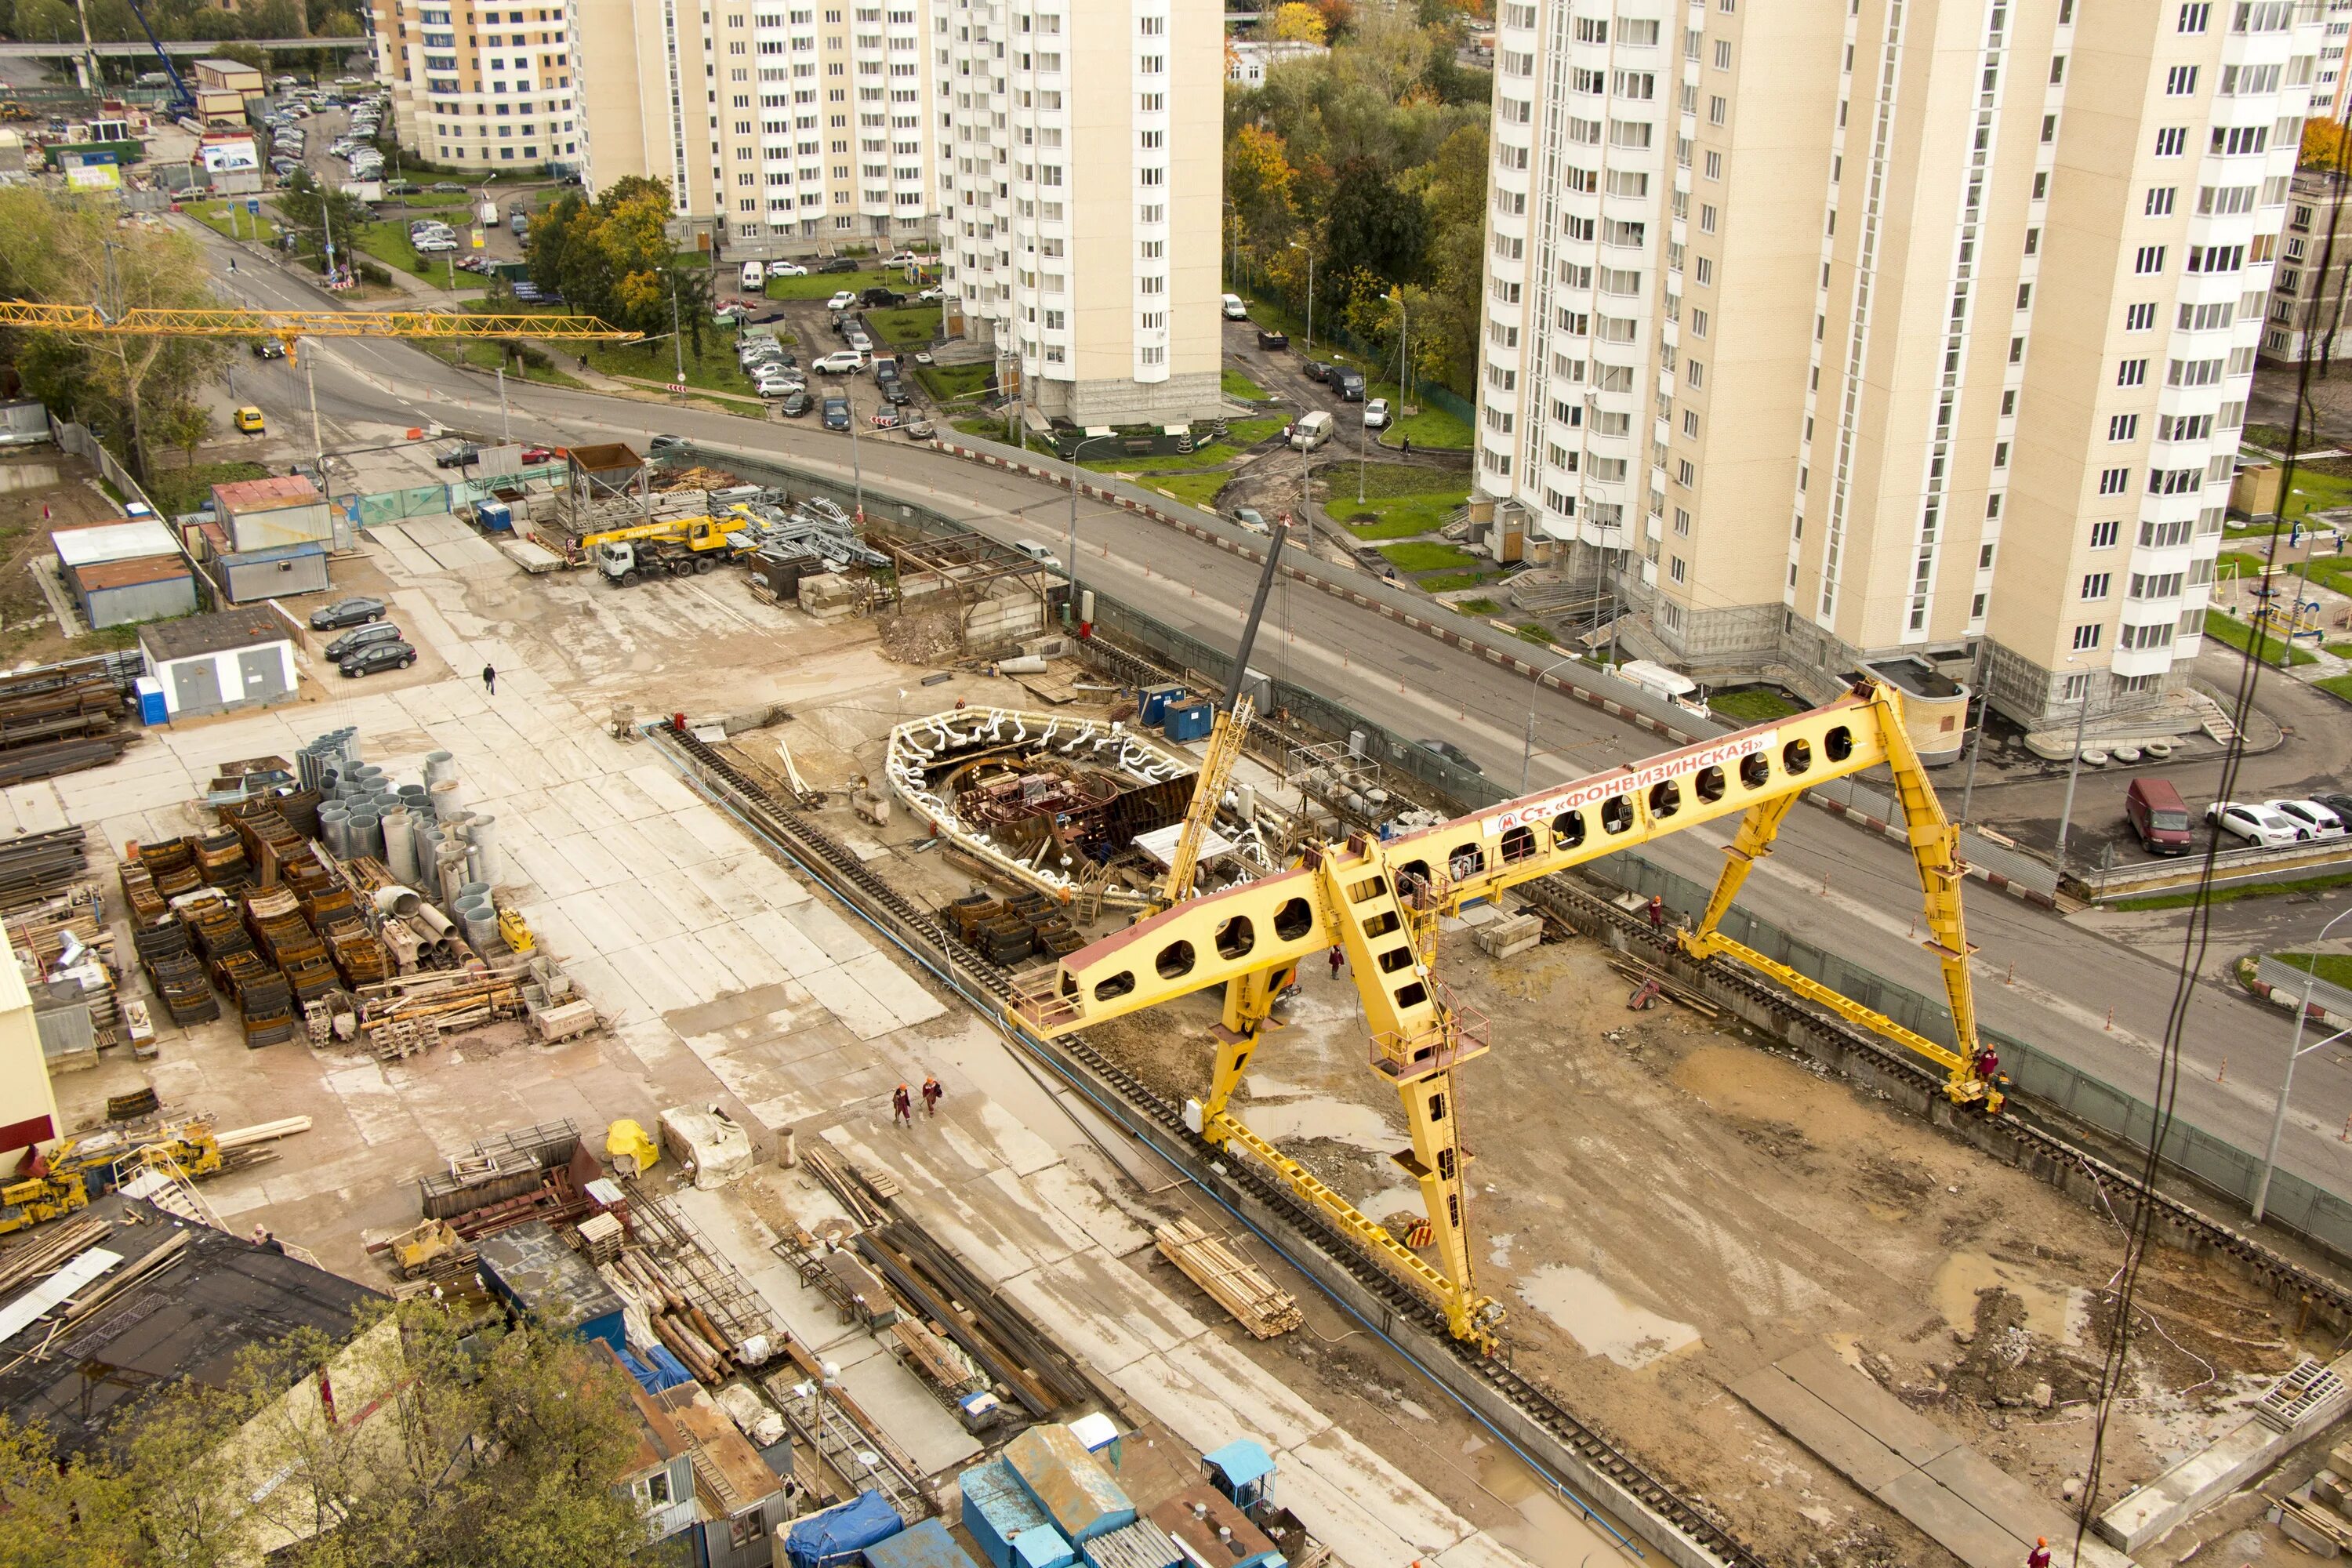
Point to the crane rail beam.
(246, 323)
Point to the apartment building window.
(2239, 141)
(2086, 639)
(1714, 166)
(2173, 140)
(2193, 17)
(2139, 318)
(2095, 586)
(2132, 373)
(2149, 259)
(2105, 535)
(1704, 268)
(1706, 219)
(2114, 481)
(2122, 426)
(2180, 81)
(1676, 569)
(1684, 475)
(2159, 201)
(1718, 111)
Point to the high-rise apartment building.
(785, 126)
(1843, 331)
(1080, 173)
(2312, 288)
(479, 86)
(2331, 97)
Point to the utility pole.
(327, 229)
(677, 339)
(857, 468)
(2074, 771)
(505, 435)
(318, 435)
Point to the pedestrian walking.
(2040, 1556)
(902, 1106)
(1408, 445)
(491, 680)
(1336, 963)
(1657, 912)
(932, 1095)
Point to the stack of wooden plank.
(440, 1002)
(38, 867)
(677, 1321)
(42, 930)
(44, 1251)
(1260, 1305)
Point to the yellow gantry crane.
(1380, 902)
(250, 323)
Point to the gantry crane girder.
(246, 324)
(1379, 903)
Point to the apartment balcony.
(2127, 662)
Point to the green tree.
(1372, 228)
(184, 426)
(1453, 195)
(1258, 181)
(309, 211)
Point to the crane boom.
(1380, 902)
(1230, 730)
(182, 101)
(249, 323)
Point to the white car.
(841, 362)
(2257, 824)
(904, 258)
(786, 269)
(778, 386)
(927, 296)
(2313, 819)
(1376, 414)
(845, 301)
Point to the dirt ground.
(67, 486)
(1665, 1207)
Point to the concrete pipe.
(439, 766)
(482, 932)
(402, 901)
(473, 887)
(445, 797)
(435, 923)
(400, 844)
(366, 830)
(413, 797)
(450, 873)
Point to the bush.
(424, 266)
(368, 272)
(534, 358)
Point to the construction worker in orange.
(932, 1095)
(902, 1106)
(2040, 1556)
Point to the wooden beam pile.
(45, 1250)
(680, 1325)
(429, 1004)
(1241, 1288)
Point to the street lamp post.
(676, 338)
(856, 468)
(1070, 564)
(1295, 245)
(1527, 752)
(2295, 1049)
(2073, 771)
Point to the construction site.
(1319, 1170)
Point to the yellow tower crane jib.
(1380, 902)
(254, 324)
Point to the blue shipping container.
(1078, 1496)
(1152, 702)
(997, 1510)
(1190, 721)
(926, 1545)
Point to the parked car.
(886, 419)
(786, 269)
(2341, 805)
(778, 386)
(927, 296)
(270, 348)
(921, 429)
(904, 258)
(1314, 369)
(2315, 820)
(1272, 339)
(895, 392)
(1452, 753)
(2158, 817)
(881, 294)
(1347, 383)
(355, 612)
(838, 264)
(842, 361)
(796, 403)
(447, 187)
(374, 656)
(351, 641)
(859, 343)
(1235, 310)
(458, 457)
(2257, 824)
(1249, 516)
(836, 414)
(843, 300)
(1376, 414)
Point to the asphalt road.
(2094, 991)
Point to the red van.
(2159, 814)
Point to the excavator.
(673, 547)
(1380, 902)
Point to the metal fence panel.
(2291, 982)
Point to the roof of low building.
(113, 541)
(265, 495)
(193, 635)
(131, 574)
(192, 1318)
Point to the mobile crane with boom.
(672, 547)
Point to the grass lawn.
(1192, 490)
(388, 243)
(2240, 636)
(1478, 607)
(916, 326)
(2231, 895)
(176, 490)
(714, 370)
(1753, 706)
(826, 285)
(986, 428)
(2314, 492)
(949, 383)
(2335, 968)
(214, 216)
(1426, 557)
(1431, 427)
(1537, 633)
(2337, 686)
(1240, 435)
(1400, 499)
(1236, 384)
(486, 356)
(1406, 527)
(1445, 582)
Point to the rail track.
(984, 984)
(790, 831)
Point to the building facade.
(1080, 176)
(1900, 327)
(2308, 292)
(2331, 98)
(474, 87)
(786, 126)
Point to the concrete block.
(2147, 1514)
(2312, 1540)
(1508, 938)
(2327, 1491)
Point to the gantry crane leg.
(1437, 1161)
(1249, 999)
(1751, 844)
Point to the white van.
(755, 276)
(1310, 430)
(1037, 552)
(1235, 310)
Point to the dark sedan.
(1452, 753)
(836, 264)
(377, 655)
(350, 642)
(836, 414)
(347, 613)
(797, 404)
(458, 457)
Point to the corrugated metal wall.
(275, 579)
(141, 601)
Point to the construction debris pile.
(304, 909)
(143, 1151)
(61, 718)
(1051, 802)
(67, 958)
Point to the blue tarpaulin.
(840, 1534)
(656, 1370)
